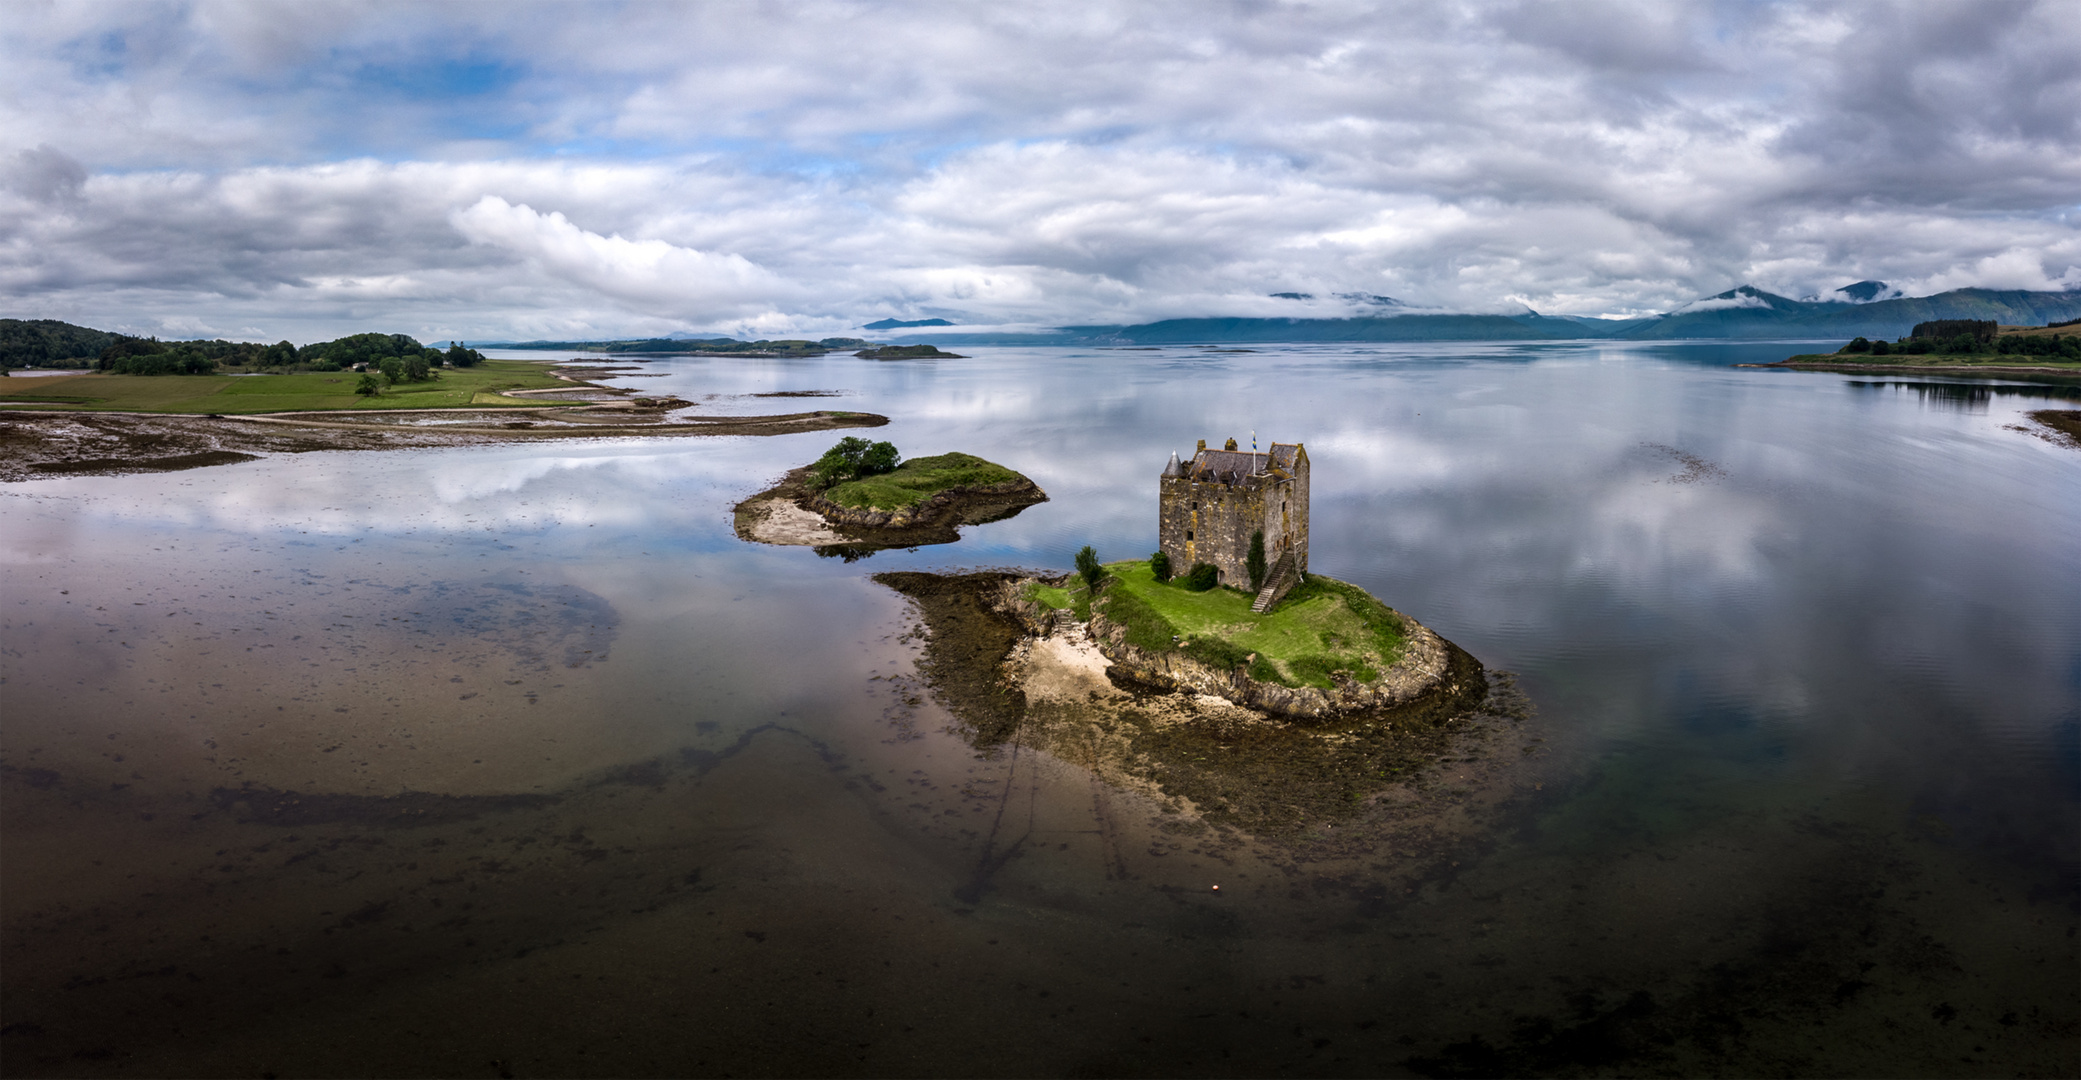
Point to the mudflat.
(37, 444)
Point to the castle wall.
(1211, 522)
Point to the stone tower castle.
(1211, 506)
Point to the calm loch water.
(514, 761)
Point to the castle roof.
(1242, 466)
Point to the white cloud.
(650, 273)
(449, 170)
(1721, 303)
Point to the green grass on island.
(478, 386)
(919, 479)
(1323, 626)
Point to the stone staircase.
(1284, 575)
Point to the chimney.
(1202, 447)
(1230, 446)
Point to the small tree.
(368, 386)
(853, 457)
(393, 369)
(1203, 577)
(1087, 566)
(879, 458)
(1160, 565)
(1254, 562)
(417, 369)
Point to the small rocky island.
(907, 352)
(1218, 670)
(861, 497)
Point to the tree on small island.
(852, 459)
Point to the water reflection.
(1972, 397)
(300, 776)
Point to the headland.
(1956, 346)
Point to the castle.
(1211, 507)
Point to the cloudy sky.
(268, 170)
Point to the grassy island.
(919, 479)
(1322, 627)
(908, 352)
(861, 497)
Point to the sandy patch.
(779, 521)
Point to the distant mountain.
(1375, 328)
(1863, 292)
(1362, 299)
(898, 324)
(1864, 309)
(1749, 312)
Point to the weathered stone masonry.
(1209, 507)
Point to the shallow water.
(515, 760)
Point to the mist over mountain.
(1865, 309)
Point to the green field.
(1323, 626)
(919, 479)
(227, 394)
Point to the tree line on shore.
(50, 343)
(1969, 337)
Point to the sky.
(513, 171)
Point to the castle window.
(1188, 534)
(1195, 506)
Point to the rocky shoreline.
(1432, 674)
(793, 513)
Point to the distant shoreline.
(1835, 362)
